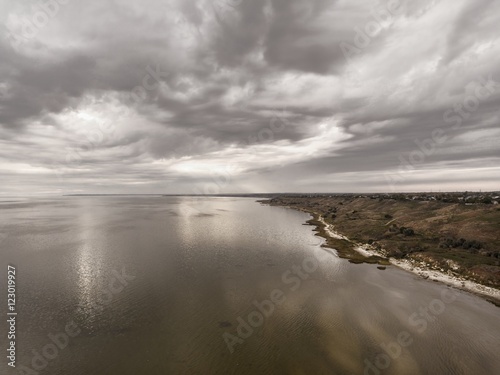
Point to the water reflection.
(196, 274)
(89, 259)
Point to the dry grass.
(378, 220)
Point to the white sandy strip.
(332, 232)
(455, 281)
(458, 282)
(366, 250)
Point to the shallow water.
(191, 270)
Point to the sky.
(248, 96)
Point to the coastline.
(420, 269)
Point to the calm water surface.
(190, 270)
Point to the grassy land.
(460, 239)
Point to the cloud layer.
(201, 96)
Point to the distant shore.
(360, 252)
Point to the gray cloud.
(177, 96)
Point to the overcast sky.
(220, 96)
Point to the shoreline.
(492, 295)
(419, 269)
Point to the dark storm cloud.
(37, 90)
(241, 29)
(134, 94)
(296, 40)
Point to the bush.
(472, 245)
(406, 231)
(462, 242)
(409, 232)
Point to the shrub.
(406, 231)
(409, 232)
(461, 242)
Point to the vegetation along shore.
(453, 237)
